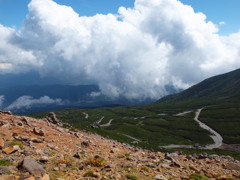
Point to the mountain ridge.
(224, 86)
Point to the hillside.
(43, 149)
(220, 96)
(156, 125)
(218, 89)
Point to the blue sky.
(13, 12)
(155, 44)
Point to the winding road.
(107, 124)
(217, 138)
(86, 115)
(100, 120)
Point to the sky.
(225, 13)
(129, 48)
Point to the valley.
(176, 121)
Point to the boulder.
(39, 131)
(52, 118)
(6, 112)
(32, 166)
(26, 121)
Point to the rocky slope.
(43, 149)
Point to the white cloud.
(95, 94)
(1, 101)
(26, 102)
(134, 53)
(222, 23)
(12, 57)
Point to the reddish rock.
(11, 149)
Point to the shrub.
(198, 177)
(99, 162)
(131, 177)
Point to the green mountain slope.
(221, 88)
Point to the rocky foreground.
(42, 149)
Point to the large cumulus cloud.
(134, 53)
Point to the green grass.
(198, 177)
(225, 119)
(148, 126)
(160, 126)
(4, 162)
(13, 143)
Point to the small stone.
(165, 166)
(78, 135)
(85, 143)
(43, 159)
(21, 138)
(52, 147)
(37, 140)
(151, 166)
(77, 155)
(12, 149)
(27, 152)
(160, 177)
(56, 168)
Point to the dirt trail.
(86, 115)
(107, 124)
(217, 138)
